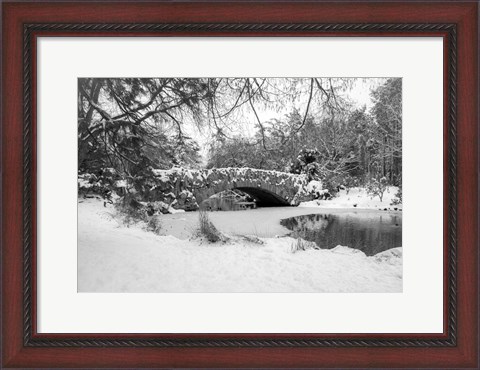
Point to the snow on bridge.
(185, 189)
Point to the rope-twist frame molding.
(244, 28)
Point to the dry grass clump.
(207, 229)
(302, 245)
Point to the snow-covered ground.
(116, 258)
(358, 198)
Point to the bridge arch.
(264, 197)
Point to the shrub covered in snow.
(104, 182)
(398, 198)
(306, 163)
(335, 182)
(349, 182)
(155, 224)
(377, 187)
(131, 210)
(315, 188)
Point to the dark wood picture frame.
(23, 22)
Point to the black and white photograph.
(240, 185)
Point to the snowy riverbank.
(115, 258)
(358, 198)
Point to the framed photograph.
(240, 185)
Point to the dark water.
(371, 232)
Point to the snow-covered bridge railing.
(186, 189)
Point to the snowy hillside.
(358, 198)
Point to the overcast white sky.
(359, 94)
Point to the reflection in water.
(370, 232)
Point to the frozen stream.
(263, 222)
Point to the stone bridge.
(186, 189)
